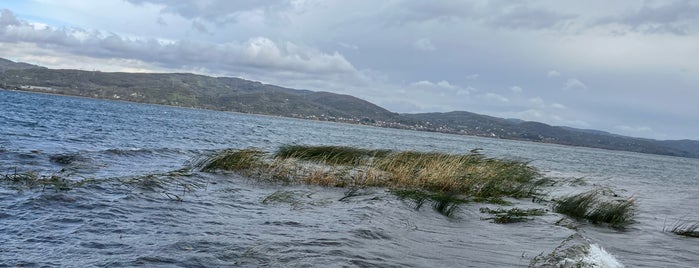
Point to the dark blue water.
(124, 221)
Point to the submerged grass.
(512, 215)
(30, 180)
(687, 229)
(591, 206)
(444, 203)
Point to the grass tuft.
(444, 203)
(591, 206)
(233, 160)
(444, 180)
(686, 229)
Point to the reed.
(512, 215)
(687, 229)
(233, 160)
(30, 179)
(332, 155)
(444, 180)
(444, 203)
(592, 207)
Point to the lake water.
(229, 220)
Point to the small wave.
(598, 257)
(577, 251)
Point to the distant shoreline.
(318, 120)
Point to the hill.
(190, 90)
(240, 95)
(487, 126)
(11, 65)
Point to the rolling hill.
(240, 95)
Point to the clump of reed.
(332, 155)
(687, 229)
(444, 203)
(445, 180)
(32, 179)
(512, 215)
(233, 160)
(591, 205)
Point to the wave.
(576, 251)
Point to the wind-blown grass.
(333, 155)
(445, 180)
(31, 180)
(686, 229)
(591, 206)
(470, 174)
(235, 160)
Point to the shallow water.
(125, 220)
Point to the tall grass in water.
(233, 160)
(331, 155)
(686, 229)
(32, 179)
(443, 179)
(593, 207)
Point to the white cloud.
(494, 97)
(553, 73)
(254, 53)
(443, 84)
(574, 84)
(516, 89)
(348, 46)
(424, 44)
(537, 101)
(558, 106)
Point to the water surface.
(228, 220)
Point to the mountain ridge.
(240, 95)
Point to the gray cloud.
(498, 14)
(259, 53)
(522, 17)
(219, 11)
(7, 18)
(677, 17)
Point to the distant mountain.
(487, 126)
(11, 65)
(190, 90)
(239, 95)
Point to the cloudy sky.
(628, 67)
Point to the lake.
(230, 220)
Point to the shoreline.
(18, 89)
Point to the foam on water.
(598, 257)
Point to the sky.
(629, 67)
